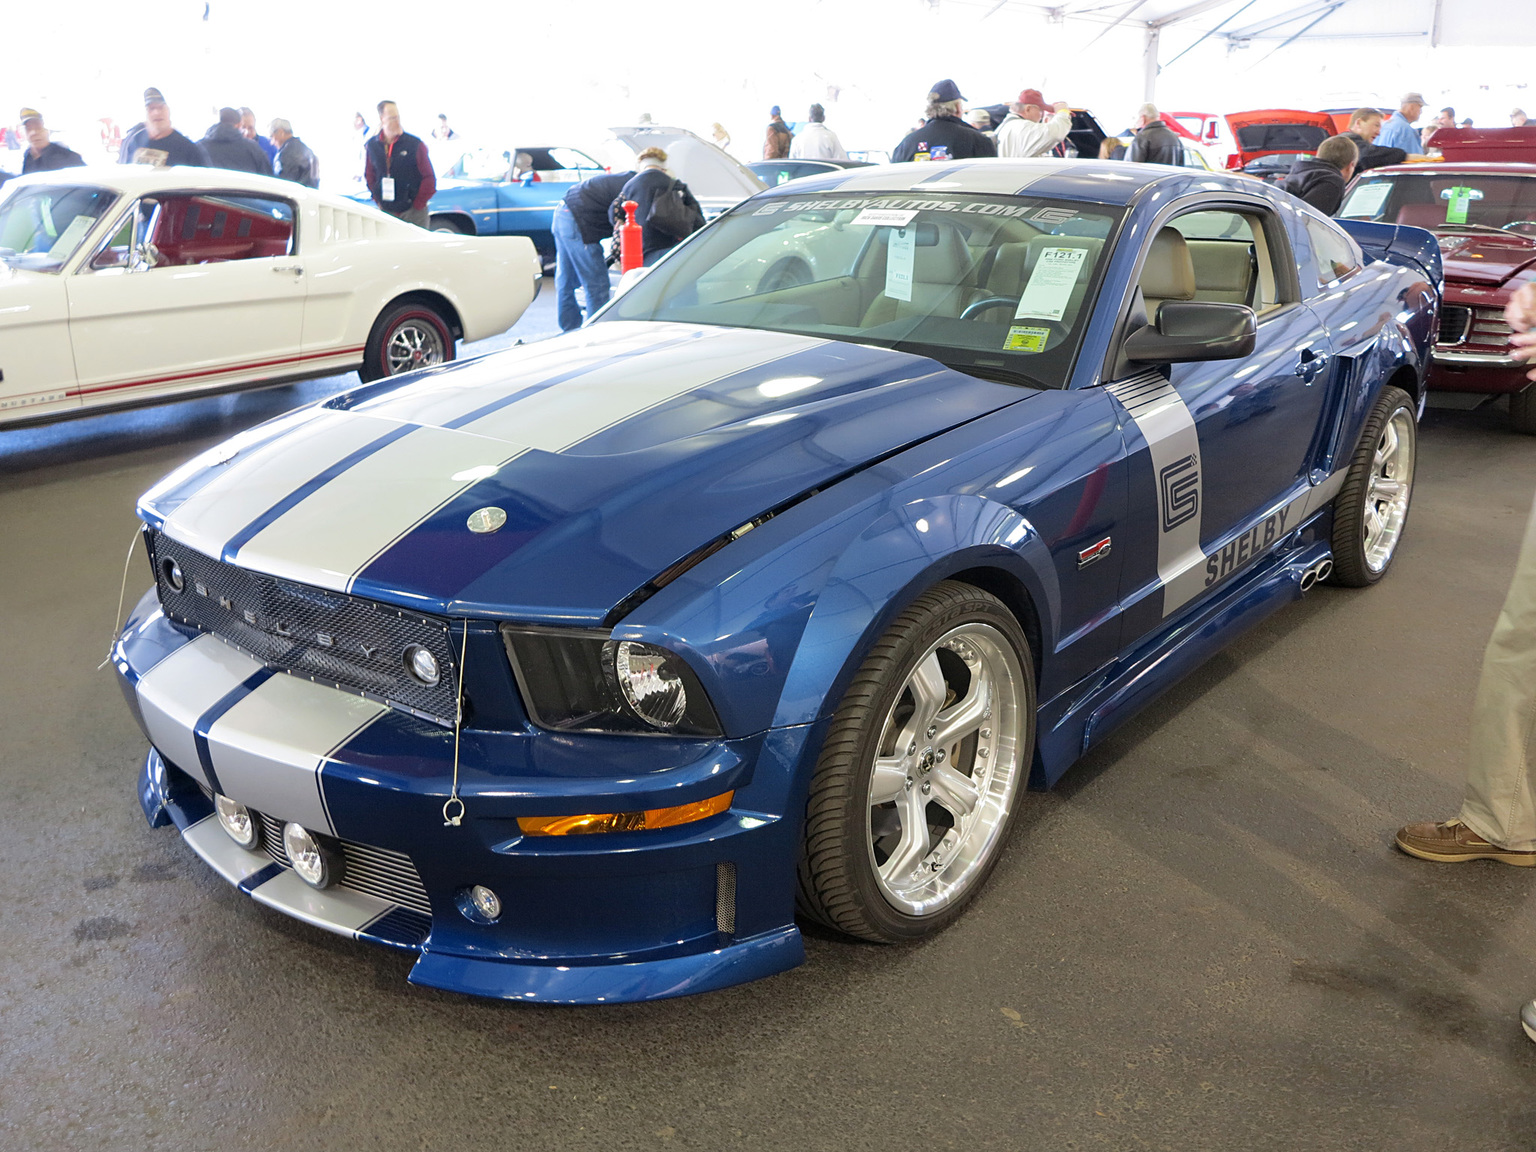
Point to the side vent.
(725, 898)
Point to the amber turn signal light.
(624, 821)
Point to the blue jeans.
(575, 263)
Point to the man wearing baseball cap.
(155, 142)
(943, 135)
(1398, 131)
(42, 154)
(1025, 131)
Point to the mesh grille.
(1488, 327)
(725, 898)
(1454, 322)
(373, 871)
(329, 637)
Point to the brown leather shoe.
(1453, 842)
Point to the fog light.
(480, 905)
(421, 664)
(316, 863)
(625, 821)
(173, 576)
(237, 821)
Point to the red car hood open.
(1267, 131)
(1497, 144)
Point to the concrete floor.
(1201, 939)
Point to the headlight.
(236, 820)
(172, 573)
(582, 681)
(651, 683)
(421, 664)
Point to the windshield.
(1000, 286)
(1447, 201)
(41, 228)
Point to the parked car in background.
(125, 285)
(481, 198)
(576, 668)
(1270, 140)
(776, 172)
(1484, 215)
(486, 201)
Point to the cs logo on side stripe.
(1181, 492)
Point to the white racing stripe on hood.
(250, 484)
(331, 536)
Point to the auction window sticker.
(71, 236)
(1050, 285)
(1367, 199)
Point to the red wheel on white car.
(406, 337)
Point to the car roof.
(1470, 167)
(1112, 182)
(142, 179)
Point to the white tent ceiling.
(1172, 28)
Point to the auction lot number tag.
(899, 258)
(1050, 285)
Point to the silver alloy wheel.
(947, 770)
(1387, 491)
(413, 344)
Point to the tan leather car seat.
(1168, 273)
(939, 274)
(1224, 270)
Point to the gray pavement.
(1201, 939)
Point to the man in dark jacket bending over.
(1320, 181)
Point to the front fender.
(777, 634)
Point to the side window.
(1224, 261)
(1337, 256)
(570, 158)
(218, 227)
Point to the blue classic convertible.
(577, 669)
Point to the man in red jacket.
(397, 170)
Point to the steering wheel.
(983, 305)
(1516, 224)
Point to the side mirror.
(630, 279)
(143, 258)
(1195, 330)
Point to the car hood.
(610, 454)
(1269, 130)
(1484, 258)
(710, 173)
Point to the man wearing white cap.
(156, 142)
(1398, 131)
(42, 154)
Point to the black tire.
(791, 272)
(1522, 410)
(407, 321)
(1355, 565)
(839, 880)
(450, 225)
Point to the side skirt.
(1085, 715)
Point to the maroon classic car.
(1484, 214)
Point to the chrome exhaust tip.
(1324, 570)
(1308, 578)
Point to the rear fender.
(1399, 244)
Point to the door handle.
(296, 269)
(1311, 364)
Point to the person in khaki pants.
(1498, 812)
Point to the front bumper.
(1455, 370)
(586, 919)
